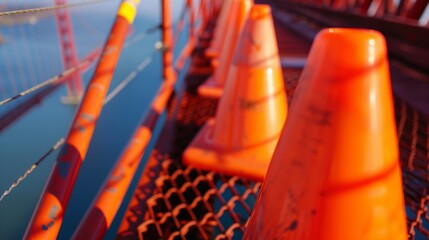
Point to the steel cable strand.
(50, 8)
(31, 169)
(52, 80)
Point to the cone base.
(246, 163)
(210, 89)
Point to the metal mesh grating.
(191, 204)
(413, 134)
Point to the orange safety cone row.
(251, 114)
(213, 87)
(335, 173)
(221, 30)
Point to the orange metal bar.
(186, 52)
(102, 212)
(401, 10)
(203, 10)
(190, 45)
(167, 39)
(49, 213)
(201, 15)
(190, 5)
(417, 9)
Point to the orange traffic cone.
(335, 173)
(221, 30)
(252, 111)
(213, 87)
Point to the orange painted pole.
(47, 219)
(202, 16)
(167, 39)
(205, 10)
(102, 212)
(190, 5)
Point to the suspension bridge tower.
(69, 55)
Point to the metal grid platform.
(179, 202)
(413, 134)
(191, 204)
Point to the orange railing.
(48, 216)
(47, 219)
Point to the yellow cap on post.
(128, 10)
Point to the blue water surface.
(30, 55)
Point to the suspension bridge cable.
(27, 57)
(31, 169)
(10, 74)
(39, 67)
(129, 78)
(47, 82)
(139, 37)
(50, 8)
(2, 88)
(17, 57)
(111, 95)
(60, 142)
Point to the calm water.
(32, 54)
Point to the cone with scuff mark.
(213, 87)
(241, 139)
(335, 173)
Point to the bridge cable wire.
(47, 82)
(60, 142)
(27, 57)
(31, 169)
(50, 8)
(130, 77)
(134, 40)
(139, 37)
(10, 74)
(15, 53)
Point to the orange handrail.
(103, 210)
(99, 217)
(47, 219)
(167, 39)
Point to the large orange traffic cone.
(213, 87)
(221, 30)
(335, 173)
(252, 112)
